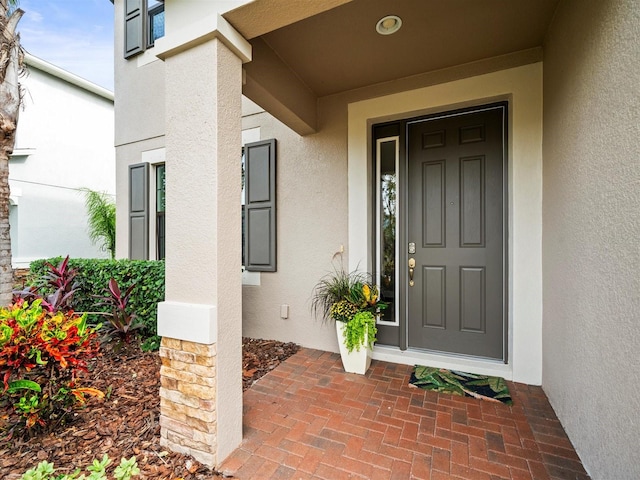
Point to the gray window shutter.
(134, 17)
(260, 206)
(139, 211)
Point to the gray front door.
(456, 193)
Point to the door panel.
(472, 201)
(455, 216)
(472, 294)
(433, 210)
(434, 313)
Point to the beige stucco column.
(201, 319)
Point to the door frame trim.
(402, 212)
(522, 86)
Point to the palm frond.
(101, 211)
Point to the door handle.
(412, 266)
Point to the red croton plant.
(41, 353)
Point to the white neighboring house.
(64, 143)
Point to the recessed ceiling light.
(388, 25)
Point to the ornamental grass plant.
(353, 299)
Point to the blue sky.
(76, 35)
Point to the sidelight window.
(387, 165)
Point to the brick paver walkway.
(308, 419)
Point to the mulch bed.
(125, 423)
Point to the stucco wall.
(312, 225)
(139, 90)
(591, 224)
(64, 143)
(140, 118)
(317, 214)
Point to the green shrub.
(94, 276)
(151, 344)
(41, 353)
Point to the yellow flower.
(374, 295)
(367, 292)
(370, 294)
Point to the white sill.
(250, 278)
(146, 57)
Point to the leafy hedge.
(94, 275)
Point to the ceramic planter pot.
(356, 361)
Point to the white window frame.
(378, 269)
(154, 158)
(156, 9)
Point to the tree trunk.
(11, 57)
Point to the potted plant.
(353, 302)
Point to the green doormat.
(493, 389)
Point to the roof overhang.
(304, 51)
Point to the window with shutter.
(144, 24)
(260, 206)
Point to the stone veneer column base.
(188, 418)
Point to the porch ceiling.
(338, 49)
